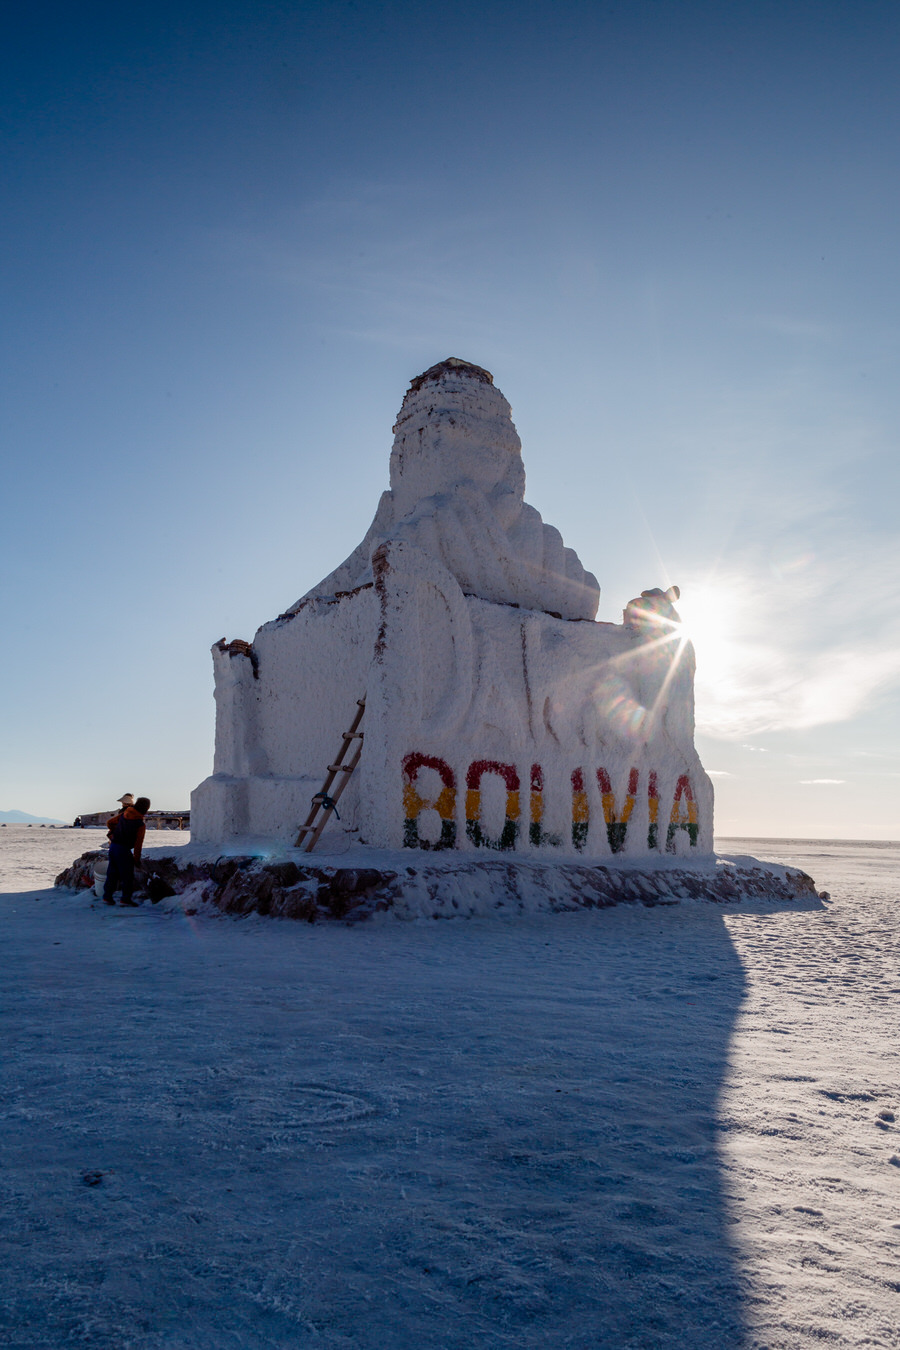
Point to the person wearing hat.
(126, 836)
(127, 799)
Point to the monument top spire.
(452, 364)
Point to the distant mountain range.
(23, 818)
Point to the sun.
(709, 624)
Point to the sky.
(232, 234)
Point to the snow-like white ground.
(671, 1128)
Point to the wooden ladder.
(324, 802)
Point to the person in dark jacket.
(126, 836)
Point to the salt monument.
(500, 716)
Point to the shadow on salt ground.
(261, 1134)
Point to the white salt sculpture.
(499, 715)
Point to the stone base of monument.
(367, 883)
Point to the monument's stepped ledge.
(371, 882)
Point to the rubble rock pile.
(292, 890)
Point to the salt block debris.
(500, 717)
(298, 888)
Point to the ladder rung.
(320, 810)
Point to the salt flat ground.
(672, 1128)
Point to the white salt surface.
(656, 1128)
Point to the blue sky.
(232, 234)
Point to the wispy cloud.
(386, 283)
(813, 782)
(793, 326)
(783, 650)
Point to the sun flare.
(709, 623)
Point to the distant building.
(154, 820)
